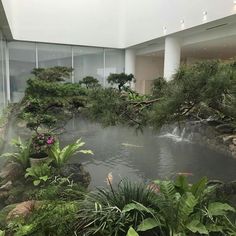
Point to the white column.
(130, 63)
(172, 57)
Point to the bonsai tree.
(120, 79)
(89, 82)
(53, 74)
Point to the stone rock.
(229, 139)
(23, 209)
(225, 128)
(11, 199)
(76, 173)
(7, 186)
(234, 140)
(11, 171)
(4, 194)
(232, 148)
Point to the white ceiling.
(109, 23)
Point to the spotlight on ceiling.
(182, 24)
(204, 16)
(164, 30)
(234, 2)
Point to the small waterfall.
(175, 131)
(177, 135)
(182, 135)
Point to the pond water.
(144, 156)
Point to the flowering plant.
(40, 145)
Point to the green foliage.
(202, 90)
(39, 173)
(106, 105)
(55, 218)
(61, 156)
(111, 212)
(23, 152)
(120, 79)
(49, 102)
(89, 82)
(38, 88)
(54, 74)
(58, 188)
(131, 232)
(178, 208)
(159, 86)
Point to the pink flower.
(50, 140)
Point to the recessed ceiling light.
(234, 1)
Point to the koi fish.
(153, 187)
(109, 178)
(185, 173)
(131, 145)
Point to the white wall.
(147, 69)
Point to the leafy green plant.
(51, 218)
(61, 156)
(112, 211)
(23, 154)
(172, 208)
(58, 188)
(39, 173)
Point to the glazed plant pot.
(38, 161)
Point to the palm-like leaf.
(61, 156)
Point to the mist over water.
(144, 156)
(138, 156)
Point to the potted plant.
(39, 148)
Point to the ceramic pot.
(38, 161)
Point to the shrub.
(54, 74)
(171, 208)
(159, 85)
(120, 79)
(90, 82)
(55, 218)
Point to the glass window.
(21, 63)
(114, 62)
(88, 61)
(50, 55)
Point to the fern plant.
(61, 156)
(23, 152)
(178, 208)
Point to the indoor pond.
(143, 156)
